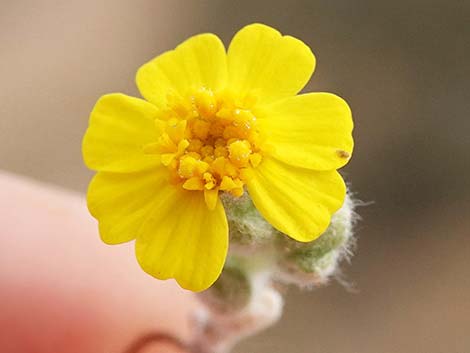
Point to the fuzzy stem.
(218, 331)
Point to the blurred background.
(403, 66)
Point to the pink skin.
(63, 290)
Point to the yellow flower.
(215, 122)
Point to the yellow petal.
(298, 202)
(182, 239)
(264, 64)
(211, 197)
(120, 127)
(121, 202)
(310, 131)
(198, 62)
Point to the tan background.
(403, 67)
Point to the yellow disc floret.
(207, 142)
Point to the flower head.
(216, 122)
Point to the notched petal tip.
(312, 130)
(258, 26)
(199, 61)
(118, 129)
(296, 201)
(121, 201)
(184, 240)
(262, 60)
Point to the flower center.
(208, 142)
